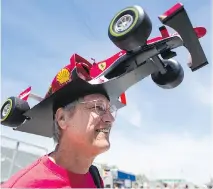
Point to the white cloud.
(162, 156)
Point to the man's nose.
(108, 117)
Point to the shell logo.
(63, 76)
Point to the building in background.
(122, 178)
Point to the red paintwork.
(96, 71)
(25, 94)
(123, 98)
(76, 61)
(171, 10)
(164, 33)
(200, 31)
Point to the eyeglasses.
(100, 107)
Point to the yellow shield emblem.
(102, 66)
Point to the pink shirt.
(46, 174)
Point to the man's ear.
(60, 118)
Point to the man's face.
(88, 125)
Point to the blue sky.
(167, 132)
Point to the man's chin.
(102, 146)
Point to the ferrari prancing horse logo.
(102, 66)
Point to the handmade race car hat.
(70, 83)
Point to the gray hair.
(56, 128)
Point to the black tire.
(12, 112)
(172, 78)
(136, 34)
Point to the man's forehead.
(95, 97)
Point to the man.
(81, 130)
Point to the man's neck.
(72, 160)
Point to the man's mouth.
(105, 130)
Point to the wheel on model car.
(130, 28)
(12, 112)
(172, 78)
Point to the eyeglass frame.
(106, 109)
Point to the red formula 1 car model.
(139, 57)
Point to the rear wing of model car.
(27, 93)
(177, 18)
